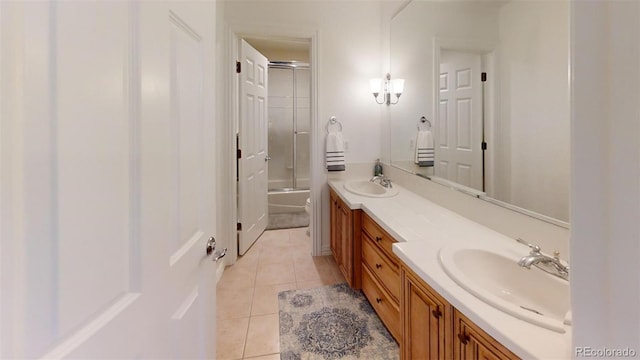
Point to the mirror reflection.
(485, 106)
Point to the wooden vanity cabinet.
(471, 342)
(345, 239)
(425, 325)
(426, 321)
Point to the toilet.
(307, 209)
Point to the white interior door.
(106, 180)
(253, 177)
(178, 41)
(458, 154)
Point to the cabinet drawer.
(387, 309)
(386, 270)
(381, 238)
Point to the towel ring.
(424, 120)
(333, 121)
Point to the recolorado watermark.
(605, 352)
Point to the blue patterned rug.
(332, 322)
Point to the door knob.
(220, 254)
(211, 245)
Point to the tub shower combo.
(289, 138)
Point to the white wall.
(534, 107)
(605, 186)
(348, 55)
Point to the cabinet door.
(345, 242)
(425, 322)
(345, 239)
(334, 225)
(470, 342)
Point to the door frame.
(234, 32)
(489, 56)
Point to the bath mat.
(332, 322)
(288, 220)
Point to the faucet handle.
(534, 248)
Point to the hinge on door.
(238, 67)
(484, 145)
(239, 226)
(483, 77)
(239, 154)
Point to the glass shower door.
(280, 128)
(289, 127)
(303, 127)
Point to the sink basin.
(370, 189)
(528, 294)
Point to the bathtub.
(286, 209)
(287, 201)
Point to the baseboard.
(326, 251)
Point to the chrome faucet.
(384, 181)
(552, 265)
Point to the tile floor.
(247, 294)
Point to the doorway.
(288, 132)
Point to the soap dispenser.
(377, 169)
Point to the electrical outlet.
(411, 144)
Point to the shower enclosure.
(289, 137)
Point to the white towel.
(425, 155)
(335, 151)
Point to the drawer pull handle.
(464, 338)
(378, 300)
(378, 238)
(437, 313)
(378, 266)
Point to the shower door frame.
(293, 65)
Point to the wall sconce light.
(388, 87)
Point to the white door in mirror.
(459, 152)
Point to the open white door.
(178, 149)
(252, 165)
(107, 180)
(458, 155)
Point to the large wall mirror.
(487, 88)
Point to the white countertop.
(422, 228)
